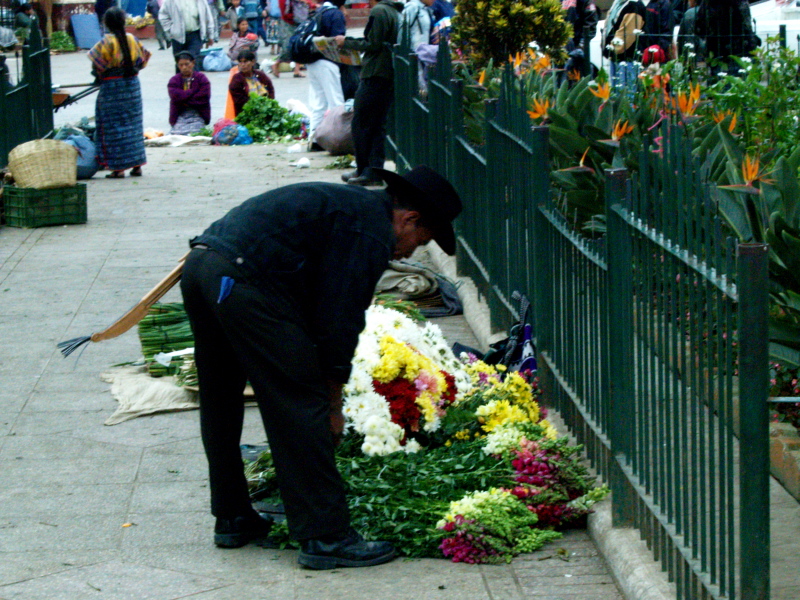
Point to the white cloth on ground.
(139, 394)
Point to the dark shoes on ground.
(364, 181)
(236, 532)
(349, 175)
(347, 551)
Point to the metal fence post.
(617, 359)
(752, 284)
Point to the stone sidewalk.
(70, 483)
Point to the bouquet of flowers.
(404, 378)
(446, 455)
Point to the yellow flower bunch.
(499, 412)
(403, 360)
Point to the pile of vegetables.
(267, 121)
(165, 329)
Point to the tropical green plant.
(497, 30)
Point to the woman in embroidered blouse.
(189, 97)
(116, 62)
(249, 80)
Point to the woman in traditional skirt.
(116, 62)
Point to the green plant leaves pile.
(266, 120)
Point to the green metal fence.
(652, 339)
(26, 108)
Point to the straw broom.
(130, 318)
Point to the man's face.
(408, 233)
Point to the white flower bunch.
(366, 411)
(503, 438)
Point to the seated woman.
(249, 80)
(189, 97)
(242, 39)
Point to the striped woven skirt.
(118, 114)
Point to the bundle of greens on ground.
(165, 329)
(267, 121)
(447, 456)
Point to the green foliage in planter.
(61, 41)
(267, 120)
(484, 30)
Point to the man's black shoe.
(236, 532)
(349, 175)
(348, 551)
(365, 181)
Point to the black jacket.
(323, 246)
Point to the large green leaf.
(789, 357)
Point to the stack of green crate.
(29, 207)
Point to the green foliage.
(405, 307)
(266, 120)
(486, 30)
(401, 497)
(61, 41)
(206, 131)
(767, 98)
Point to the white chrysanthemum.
(367, 412)
(617, 42)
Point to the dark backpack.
(301, 45)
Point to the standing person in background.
(100, 8)
(272, 16)
(189, 98)
(727, 28)
(442, 9)
(293, 12)
(658, 26)
(375, 90)
(582, 15)
(688, 40)
(325, 83)
(624, 21)
(188, 23)
(217, 8)
(234, 13)
(418, 17)
(153, 8)
(116, 62)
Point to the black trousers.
(257, 335)
(371, 106)
(192, 44)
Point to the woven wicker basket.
(43, 164)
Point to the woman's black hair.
(114, 20)
(246, 55)
(184, 54)
(239, 21)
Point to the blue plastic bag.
(216, 60)
(243, 137)
(87, 155)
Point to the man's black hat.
(433, 196)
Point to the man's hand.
(336, 415)
(209, 43)
(339, 39)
